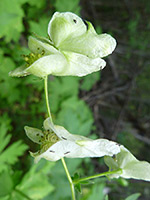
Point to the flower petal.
(19, 72)
(81, 65)
(131, 167)
(34, 134)
(76, 146)
(53, 64)
(100, 147)
(90, 44)
(70, 149)
(36, 45)
(48, 155)
(61, 132)
(62, 25)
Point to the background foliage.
(113, 104)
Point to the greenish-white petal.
(34, 134)
(70, 149)
(137, 170)
(111, 162)
(77, 146)
(41, 46)
(100, 147)
(131, 167)
(53, 64)
(81, 65)
(61, 132)
(62, 25)
(19, 72)
(90, 44)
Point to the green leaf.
(75, 116)
(35, 183)
(89, 80)
(7, 84)
(59, 180)
(39, 27)
(106, 197)
(6, 183)
(38, 4)
(133, 196)
(78, 187)
(11, 15)
(16, 177)
(71, 5)
(97, 192)
(62, 88)
(9, 155)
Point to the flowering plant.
(74, 48)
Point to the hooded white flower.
(73, 48)
(56, 142)
(130, 166)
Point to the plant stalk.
(46, 98)
(69, 178)
(62, 159)
(97, 176)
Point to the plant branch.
(69, 179)
(97, 176)
(63, 161)
(46, 98)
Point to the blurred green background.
(114, 103)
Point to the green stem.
(63, 161)
(22, 194)
(97, 176)
(69, 179)
(46, 98)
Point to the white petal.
(47, 124)
(37, 46)
(131, 167)
(53, 64)
(90, 44)
(80, 65)
(34, 134)
(62, 25)
(19, 72)
(70, 149)
(61, 132)
(76, 146)
(100, 147)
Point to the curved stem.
(97, 176)
(63, 161)
(22, 194)
(46, 98)
(69, 179)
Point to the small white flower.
(73, 49)
(130, 166)
(56, 142)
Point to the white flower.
(56, 142)
(129, 165)
(73, 49)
